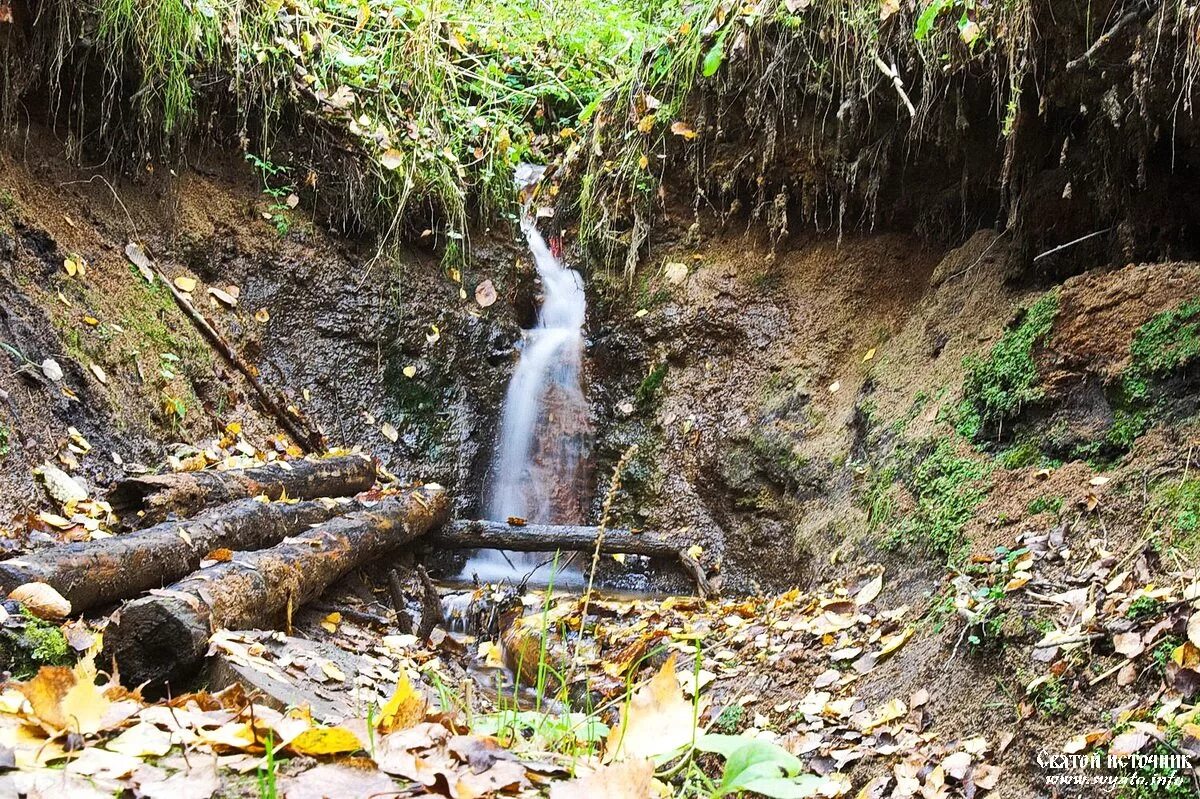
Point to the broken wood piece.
(549, 537)
(161, 639)
(187, 493)
(94, 573)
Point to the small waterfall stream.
(539, 467)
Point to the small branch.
(1062, 247)
(893, 73)
(1105, 38)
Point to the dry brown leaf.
(683, 129)
(338, 780)
(42, 600)
(656, 720)
(629, 779)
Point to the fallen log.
(549, 537)
(154, 497)
(162, 638)
(93, 573)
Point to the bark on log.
(187, 493)
(161, 639)
(94, 573)
(547, 538)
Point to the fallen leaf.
(99, 374)
(683, 129)
(137, 256)
(675, 272)
(869, 591)
(1128, 644)
(330, 623)
(223, 296)
(404, 709)
(1193, 629)
(325, 741)
(42, 600)
(656, 720)
(389, 432)
(262, 316)
(332, 671)
(629, 779)
(870, 355)
(835, 386)
(410, 371)
(185, 284)
(485, 294)
(1098, 480)
(142, 740)
(52, 370)
(344, 782)
(392, 159)
(1128, 743)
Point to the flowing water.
(540, 464)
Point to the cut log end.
(157, 640)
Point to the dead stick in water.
(154, 497)
(162, 638)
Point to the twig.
(403, 620)
(1106, 37)
(1079, 240)
(897, 81)
(308, 440)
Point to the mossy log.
(161, 639)
(550, 537)
(94, 573)
(151, 499)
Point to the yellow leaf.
(330, 623)
(410, 371)
(896, 641)
(646, 123)
(332, 671)
(657, 720)
(325, 741)
(186, 284)
(643, 162)
(870, 355)
(262, 316)
(391, 159)
(404, 709)
(683, 129)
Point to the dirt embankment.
(378, 352)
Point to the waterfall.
(539, 467)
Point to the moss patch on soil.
(998, 385)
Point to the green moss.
(1162, 652)
(1176, 504)
(420, 417)
(1144, 607)
(730, 721)
(1021, 454)
(1045, 505)
(1161, 346)
(651, 384)
(4, 436)
(38, 644)
(998, 386)
(946, 488)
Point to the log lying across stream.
(547, 538)
(93, 573)
(187, 493)
(161, 639)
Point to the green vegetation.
(1144, 607)
(945, 487)
(4, 436)
(1045, 505)
(1160, 347)
(1177, 505)
(1050, 697)
(651, 384)
(999, 385)
(1162, 652)
(730, 721)
(38, 643)
(1151, 781)
(437, 99)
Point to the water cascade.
(540, 463)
